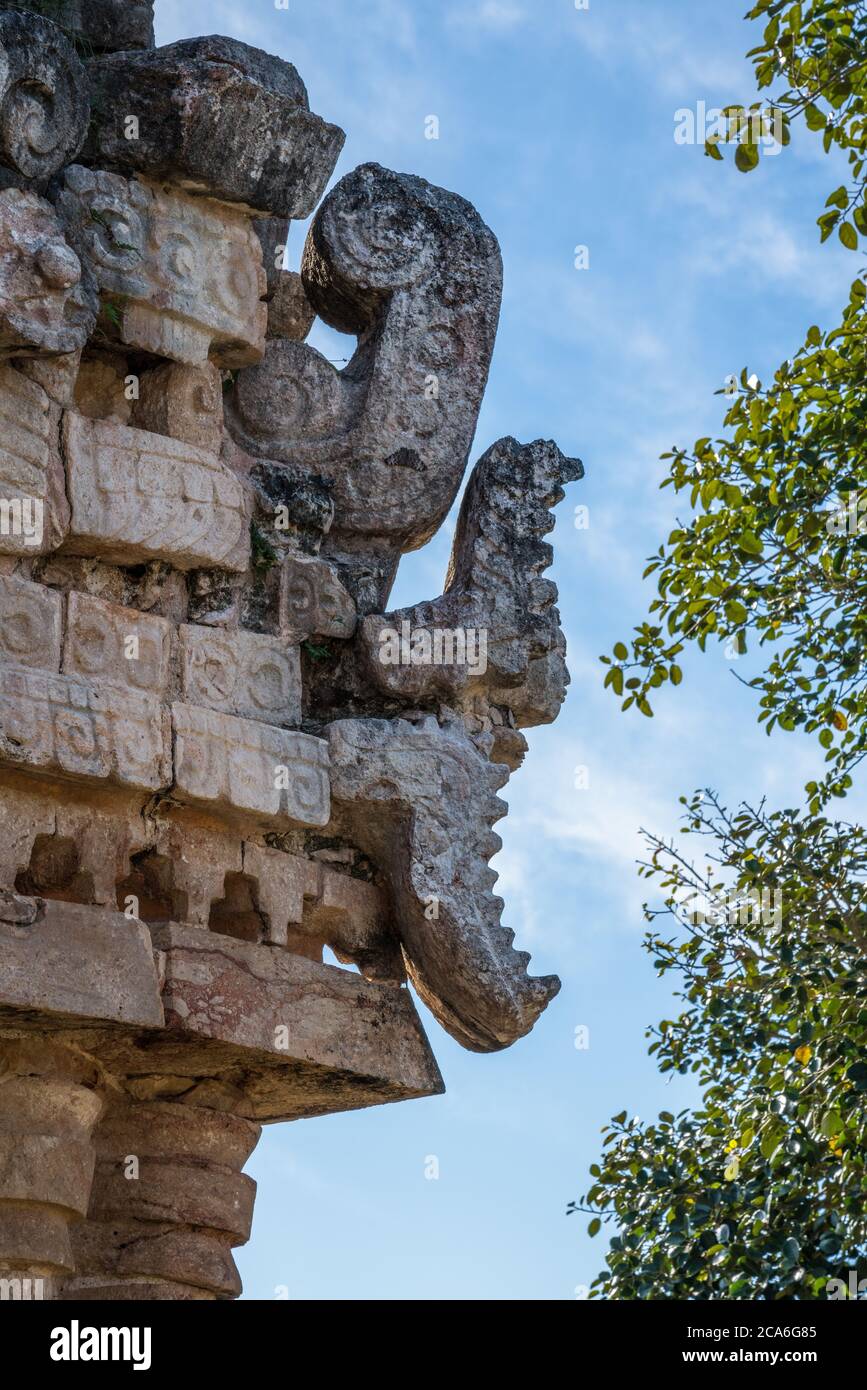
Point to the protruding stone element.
(31, 624)
(217, 117)
(34, 511)
(242, 766)
(496, 627)
(44, 308)
(103, 25)
(307, 903)
(180, 277)
(70, 726)
(72, 963)
(117, 644)
(416, 274)
(185, 403)
(50, 1100)
(138, 496)
(422, 800)
(44, 108)
(241, 673)
(314, 601)
(168, 1231)
(306, 1038)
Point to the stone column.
(169, 1203)
(50, 1100)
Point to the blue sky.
(558, 124)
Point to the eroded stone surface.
(44, 307)
(31, 625)
(179, 277)
(422, 799)
(416, 274)
(218, 117)
(103, 25)
(241, 673)
(241, 765)
(496, 626)
(313, 599)
(117, 644)
(183, 402)
(34, 511)
(77, 727)
(140, 496)
(43, 99)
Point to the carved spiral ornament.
(44, 108)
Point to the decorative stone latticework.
(220, 751)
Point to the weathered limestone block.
(422, 801)
(182, 277)
(103, 25)
(100, 389)
(197, 860)
(56, 375)
(117, 644)
(82, 728)
(283, 883)
(50, 1100)
(138, 496)
(497, 620)
(167, 1232)
(244, 766)
(215, 116)
(105, 838)
(44, 306)
(34, 511)
(241, 673)
(309, 1038)
(307, 902)
(185, 403)
(352, 917)
(74, 963)
(31, 624)
(416, 274)
(24, 815)
(313, 599)
(44, 107)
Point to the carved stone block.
(241, 673)
(239, 765)
(31, 624)
(43, 96)
(34, 511)
(185, 403)
(416, 274)
(139, 496)
(181, 277)
(116, 644)
(44, 307)
(217, 117)
(314, 601)
(78, 728)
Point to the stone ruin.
(210, 769)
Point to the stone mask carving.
(219, 753)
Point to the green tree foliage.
(761, 1192)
